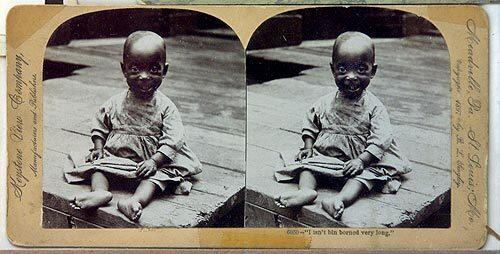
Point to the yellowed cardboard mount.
(465, 32)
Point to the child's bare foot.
(333, 206)
(91, 199)
(131, 208)
(295, 198)
(183, 188)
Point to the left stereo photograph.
(143, 121)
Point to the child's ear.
(374, 70)
(332, 67)
(123, 67)
(165, 69)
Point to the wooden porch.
(206, 81)
(413, 83)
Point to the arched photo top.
(328, 105)
(122, 22)
(174, 92)
(320, 23)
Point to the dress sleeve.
(172, 138)
(101, 124)
(380, 137)
(311, 125)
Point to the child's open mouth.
(353, 90)
(146, 89)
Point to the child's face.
(144, 67)
(353, 67)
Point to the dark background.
(291, 28)
(287, 70)
(165, 22)
(205, 80)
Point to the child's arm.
(380, 138)
(149, 167)
(307, 150)
(311, 126)
(171, 140)
(378, 141)
(356, 166)
(98, 142)
(97, 152)
(101, 126)
(367, 158)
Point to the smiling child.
(137, 134)
(347, 134)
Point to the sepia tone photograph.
(144, 121)
(160, 126)
(348, 121)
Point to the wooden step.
(423, 191)
(419, 107)
(215, 192)
(418, 152)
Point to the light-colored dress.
(342, 129)
(135, 129)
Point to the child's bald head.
(144, 44)
(353, 63)
(144, 64)
(354, 43)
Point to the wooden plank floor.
(413, 83)
(208, 87)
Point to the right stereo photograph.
(348, 121)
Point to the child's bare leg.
(349, 193)
(98, 196)
(304, 195)
(132, 207)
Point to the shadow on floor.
(261, 70)
(440, 219)
(53, 69)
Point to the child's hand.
(304, 154)
(353, 167)
(95, 154)
(146, 168)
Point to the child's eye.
(134, 69)
(155, 69)
(341, 69)
(361, 69)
